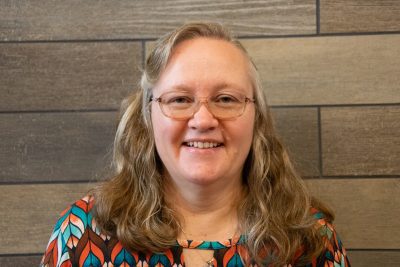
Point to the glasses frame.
(199, 101)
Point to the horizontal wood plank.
(298, 128)
(361, 140)
(19, 261)
(58, 76)
(24, 20)
(29, 213)
(375, 258)
(329, 70)
(55, 146)
(367, 210)
(359, 16)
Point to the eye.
(178, 99)
(226, 99)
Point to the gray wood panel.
(359, 16)
(48, 76)
(329, 70)
(19, 261)
(361, 140)
(29, 213)
(298, 128)
(367, 210)
(374, 258)
(55, 20)
(55, 146)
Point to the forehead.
(205, 64)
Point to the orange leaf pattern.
(77, 241)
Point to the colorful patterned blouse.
(77, 241)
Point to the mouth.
(202, 145)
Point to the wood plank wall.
(330, 69)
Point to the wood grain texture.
(298, 128)
(361, 140)
(29, 213)
(48, 76)
(374, 258)
(367, 210)
(55, 146)
(61, 20)
(329, 70)
(19, 261)
(359, 16)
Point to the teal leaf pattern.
(77, 241)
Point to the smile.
(198, 144)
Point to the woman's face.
(204, 67)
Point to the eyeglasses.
(183, 105)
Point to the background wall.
(330, 68)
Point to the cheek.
(159, 131)
(167, 133)
(245, 139)
(240, 136)
(244, 135)
(246, 128)
(157, 126)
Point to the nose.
(203, 119)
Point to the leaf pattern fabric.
(76, 241)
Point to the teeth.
(202, 144)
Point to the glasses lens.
(177, 105)
(182, 105)
(227, 105)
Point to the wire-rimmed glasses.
(183, 105)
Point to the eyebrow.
(218, 87)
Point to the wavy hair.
(276, 210)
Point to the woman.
(201, 178)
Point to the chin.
(202, 179)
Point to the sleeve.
(57, 253)
(335, 254)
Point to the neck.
(207, 212)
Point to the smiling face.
(202, 149)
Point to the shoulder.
(334, 252)
(75, 223)
(325, 226)
(81, 210)
(76, 220)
